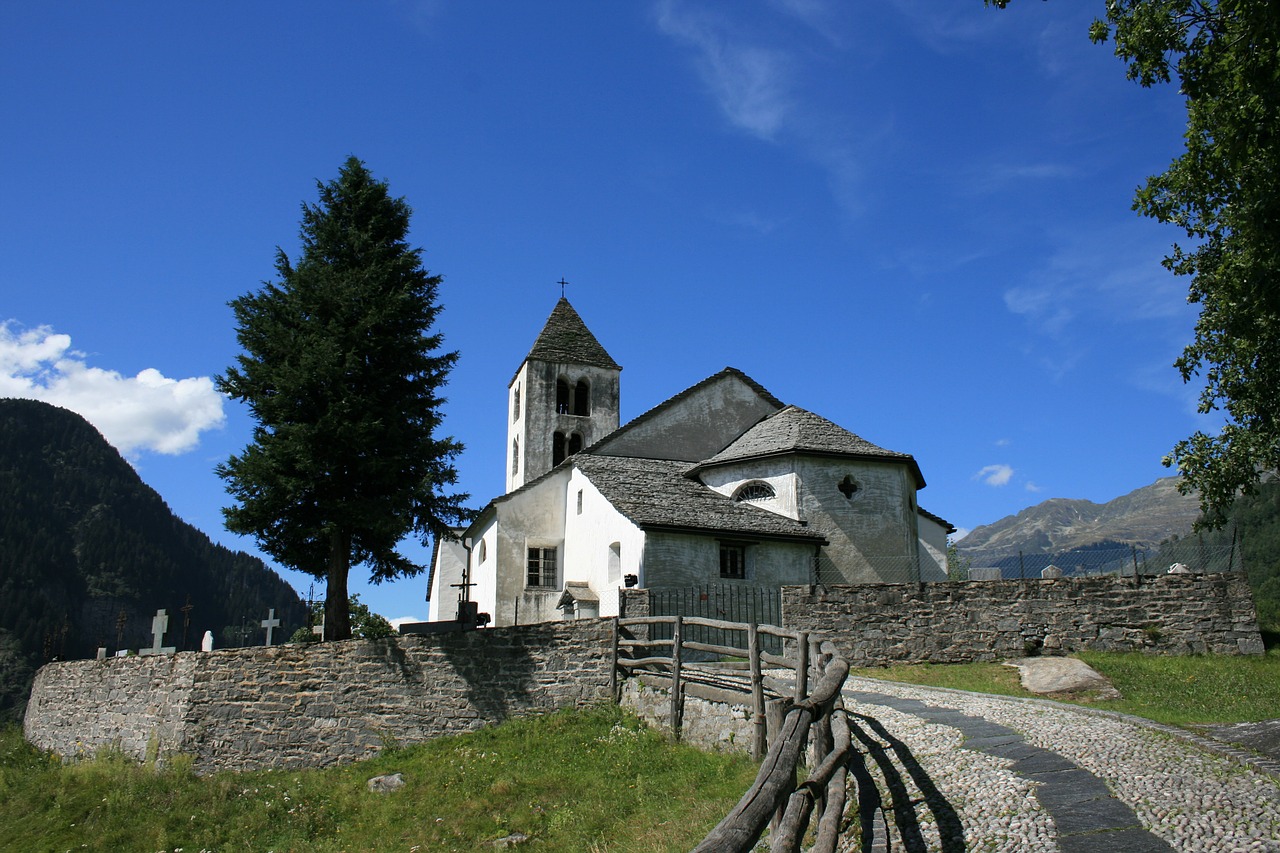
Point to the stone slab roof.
(566, 339)
(795, 430)
(656, 494)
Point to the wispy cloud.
(144, 412)
(750, 83)
(756, 80)
(1032, 487)
(995, 475)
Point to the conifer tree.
(342, 371)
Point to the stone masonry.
(315, 705)
(879, 624)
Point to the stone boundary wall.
(314, 705)
(955, 622)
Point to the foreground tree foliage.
(1224, 192)
(341, 370)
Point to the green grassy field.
(1173, 690)
(572, 781)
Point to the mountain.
(88, 553)
(1143, 518)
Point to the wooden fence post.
(759, 733)
(802, 666)
(613, 673)
(677, 701)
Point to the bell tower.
(563, 398)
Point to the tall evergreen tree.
(342, 372)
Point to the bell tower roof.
(566, 339)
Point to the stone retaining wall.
(314, 705)
(878, 624)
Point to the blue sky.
(911, 217)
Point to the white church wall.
(872, 533)
(592, 528)
(484, 559)
(531, 517)
(450, 560)
(933, 549)
(777, 472)
(687, 559)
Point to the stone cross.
(270, 623)
(159, 625)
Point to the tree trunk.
(337, 611)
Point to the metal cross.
(562, 283)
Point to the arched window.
(515, 456)
(575, 443)
(562, 397)
(515, 404)
(582, 398)
(756, 490)
(484, 551)
(557, 448)
(615, 562)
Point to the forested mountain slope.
(88, 553)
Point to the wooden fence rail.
(816, 719)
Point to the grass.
(592, 780)
(1181, 690)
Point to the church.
(723, 483)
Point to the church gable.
(696, 423)
(795, 430)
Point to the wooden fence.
(814, 717)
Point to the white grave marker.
(159, 625)
(270, 623)
(206, 645)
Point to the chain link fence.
(1190, 555)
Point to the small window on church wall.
(557, 448)
(733, 561)
(515, 404)
(579, 501)
(542, 567)
(754, 491)
(615, 562)
(848, 487)
(575, 443)
(484, 552)
(582, 398)
(515, 456)
(562, 397)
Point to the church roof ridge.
(565, 338)
(792, 429)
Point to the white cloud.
(144, 412)
(1003, 442)
(960, 533)
(1032, 487)
(750, 83)
(400, 620)
(995, 475)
